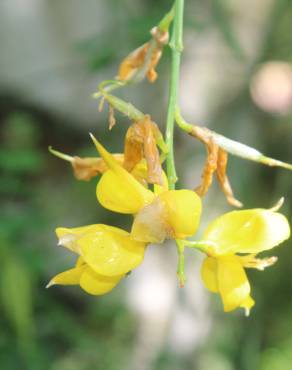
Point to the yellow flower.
(246, 232)
(106, 254)
(159, 214)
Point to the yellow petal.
(150, 224)
(122, 193)
(183, 209)
(107, 157)
(247, 231)
(68, 237)
(96, 284)
(140, 172)
(158, 189)
(174, 214)
(118, 190)
(80, 262)
(68, 277)
(247, 304)
(110, 251)
(233, 284)
(209, 274)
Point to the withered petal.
(87, 168)
(209, 169)
(223, 179)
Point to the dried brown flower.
(216, 162)
(144, 59)
(140, 143)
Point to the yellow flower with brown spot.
(106, 254)
(158, 214)
(246, 232)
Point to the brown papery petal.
(133, 151)
(223, 179)
(87, 168)
(151, 152)
(132, 62)
(111, 117)
(209, 169)
(141, 143)
(155, 57)
(216, 162)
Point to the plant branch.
(181, 262)
(176, 46)
(111, 85)
(230, 146)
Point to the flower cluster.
(107, 254)
(134, 182)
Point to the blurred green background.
(236, 79)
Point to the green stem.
(166, 20)
(202, 245)
(176, 46)
(108, 86)
(182, 124)
(181, 262)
